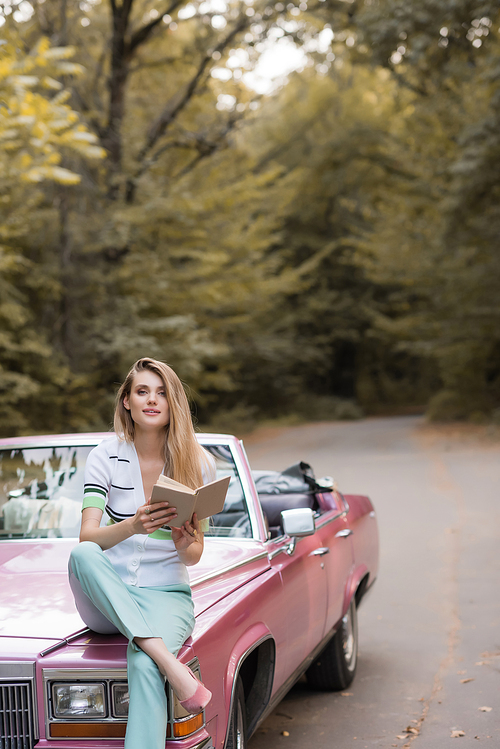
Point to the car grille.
(16, 716)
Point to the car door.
(304, 597)
(335, 550)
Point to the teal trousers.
(107, 605)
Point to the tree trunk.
(112, 138)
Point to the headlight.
(78, 700)
(120, 700)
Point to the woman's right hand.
(150, 517)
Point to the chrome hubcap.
(240, 739)
(350, 630)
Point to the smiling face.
(147, 401)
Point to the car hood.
(36, 600)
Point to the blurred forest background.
(326, 249)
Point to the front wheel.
(336, 666)
(237, 732)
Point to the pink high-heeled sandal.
(199, 700)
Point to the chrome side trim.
(229, 568)
(332, 520)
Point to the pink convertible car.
(286, 565)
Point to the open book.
(207, 500)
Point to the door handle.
(320, 552)
(344, 534)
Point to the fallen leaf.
(462, 672)
(402, 736)
(482, 663)
(413, 730)
(347, 694)
(457, 734)
(465, 681)
(285, 733)
(485, 709)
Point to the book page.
(211, 498)
(167, 481)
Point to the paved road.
(430, 630)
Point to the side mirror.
(298, 523)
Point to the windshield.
(41, 491)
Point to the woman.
(130, 576)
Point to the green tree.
(158, 204)
(37, 127)
(438, 232)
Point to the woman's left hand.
(187, 534)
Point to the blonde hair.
(185, 459)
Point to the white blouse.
(113, 483)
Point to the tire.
(237, 731)
(335, 668)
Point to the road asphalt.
(428, 673)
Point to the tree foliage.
(437, 233)
(37, 129)
(331, 243)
